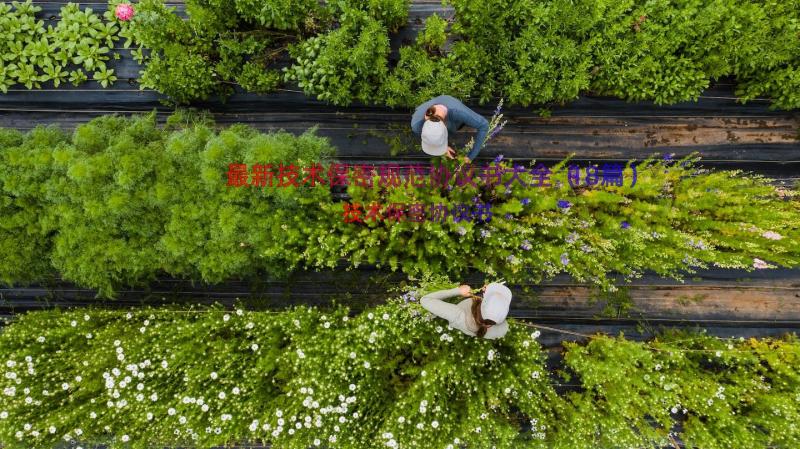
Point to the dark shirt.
(458, 115)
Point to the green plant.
(389, 376)
(344, 65)
(392, 13)
(218, 45)
(123, 200)
(675, 219)
(434, 36)
(31, 54)
(420, 76)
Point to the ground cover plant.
(75, 50)
(390, 376)
(123, 200)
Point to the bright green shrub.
(434, 36)
(25, 179)
(664, 51)
(390, 376)
(110, 216)
(124, 200)
(79, 44)
(724, 394)
(345, 65)
(236, 232)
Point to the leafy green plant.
(390, 376)
(31, 54)
(434, 36)
(344, 65)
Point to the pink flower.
(771, 235)
(760, 264)
(124, 12)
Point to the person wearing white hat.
(436, 119)
(475, 316)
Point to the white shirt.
(459, 315)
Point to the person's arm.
(416, 125)
(432, 302)
(482, 125)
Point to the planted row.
(528, 52)
(389, 377)
(121, 201)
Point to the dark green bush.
(345, 65)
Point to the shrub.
(392, 13)
(25, 169)
(434, 36)
(345, 65)
(388, 376)
(136, 200)
(218, 45)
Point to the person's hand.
(465, 290)
(451, 153)
(467, 160)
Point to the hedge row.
(121, 201)
(528, 52)
(389, 377)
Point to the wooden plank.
(369, 135)
(773, 296)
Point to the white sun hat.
(434, 138)
(495, 302)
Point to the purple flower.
(476, 198)
(498, 158)
(498, 108)
(484, 233)
(668, 157)
(409, 297)
(495, 132)
(564, 204)
(564, 259)
(509, 216)
(625, 225)
(525, 201)
(526, 245)
(511, 259)
(572, 237)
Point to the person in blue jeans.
(439, 117)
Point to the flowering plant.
(392, 376)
